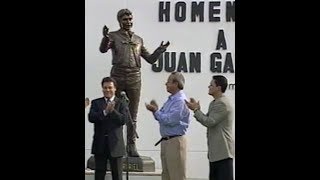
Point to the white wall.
(185, 37)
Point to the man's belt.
(166, 138)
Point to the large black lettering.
(195, 62)
(180, 11)
(197, 11)
(167, 61)
(221, 40)
(230, 11)
(167, 66)
(182, 65)
(214, 65)
(158, 66)
(228, 65)
(213, 11)
(164, 11)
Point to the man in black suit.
(108, 114)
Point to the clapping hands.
(152, 106)
(193, 104)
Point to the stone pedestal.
(135, 164)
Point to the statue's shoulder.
(112, 33)
(137, 39)
(137, 36)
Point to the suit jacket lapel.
(116, 100)
(102, 103)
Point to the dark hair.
(221, 81)
(123, 12)
(178, 77)
(109, 79)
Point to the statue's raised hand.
(105, 31)
(165, 45)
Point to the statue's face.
(126, 22)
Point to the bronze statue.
(127, 48)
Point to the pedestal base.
(135, 164)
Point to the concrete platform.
(132, 175)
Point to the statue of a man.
(127, 49)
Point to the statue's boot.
(132, 150)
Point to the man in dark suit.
(108, 114)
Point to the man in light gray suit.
(219, 124)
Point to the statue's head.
(124, 17)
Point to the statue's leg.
(133, 92)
